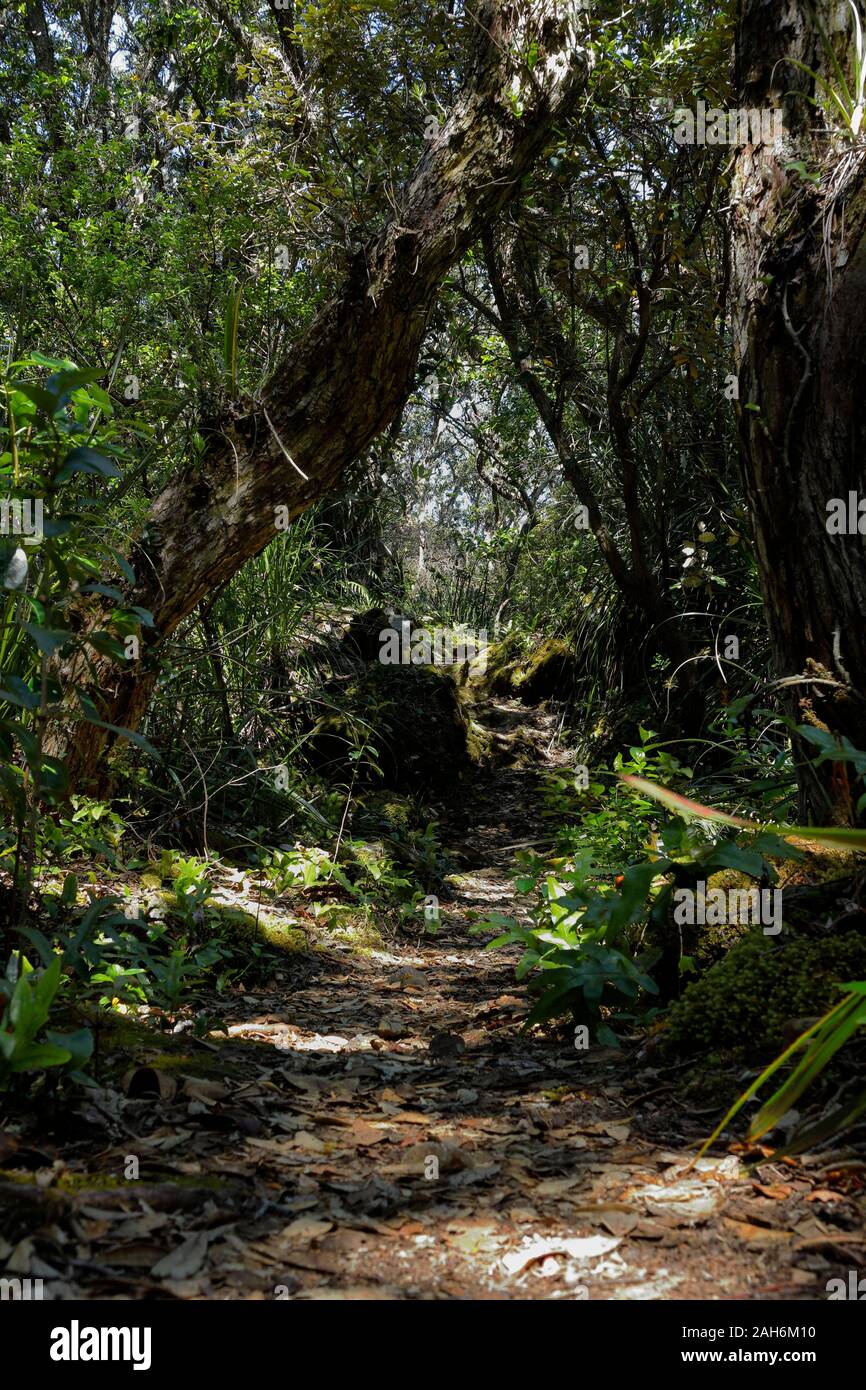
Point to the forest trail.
(378, 1127)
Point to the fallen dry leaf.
(554, 1187)
(576, 1247)
(619, 1223)
(306, 1228)
(777, 1192)
(186, 1260)
(755, 1235)
(687, 1201)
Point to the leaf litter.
(336, 1143)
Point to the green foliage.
(60, 438)
(302, 868)
(192, 889)
(841, 836)
(230, 345)
(838, 750)
(577, 973)
(846, 101)
(742, 1002)
(26, 1045)
(819, 1045)
(618, 825)
(587, 942)
(173, 976)
(82, 828)
(371, 872)
(803, 965)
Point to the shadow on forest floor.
(378, 1127)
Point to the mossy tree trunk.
(799, 310)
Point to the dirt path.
(379, 1128)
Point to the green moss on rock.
(741, 1003)
(503, 662)
(714, 940)
(548, 670)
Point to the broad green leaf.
(18, 693)
(64, 382)
(48, 640)
(44, 400)
(86, 460)
(39, 1055)
(79, 1045)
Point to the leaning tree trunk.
(799, 309)
(350, 374)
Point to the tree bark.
(799, 313)
(40, 38)
(526, 321)
(350, 374)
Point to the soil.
(378, 1127)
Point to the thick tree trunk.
(799, 307)
(351, 373)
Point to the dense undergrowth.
(312, 817)
(109, 919)
(560, 473)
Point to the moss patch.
(360, 932)
(387, 813)
(503, 661)
(714, 940)
(479, 742)
(741, 1003)
(548, 670)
